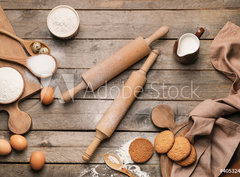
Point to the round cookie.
(180, 150)
(140, 150)
(190, 159)
(164, 141)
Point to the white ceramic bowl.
(70, 24)
(12, 97)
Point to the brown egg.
(18, 142)
(47, 95)
(37, 160)
(5, 147)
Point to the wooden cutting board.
(166, 163)
(19, 122)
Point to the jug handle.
(199, 32)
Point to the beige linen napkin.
(214, 137)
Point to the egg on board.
(5, 147)
(18, 142)
(47, 95)
(37, 160)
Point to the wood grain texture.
(85, 114)
(69, 170)
(67, 147)
(126, 24)
(87, 53)
(121, 4)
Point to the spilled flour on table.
(125, 157)
(89, 172)
(123, 153)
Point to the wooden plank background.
(63, 132)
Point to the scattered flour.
(63, 21)
(137, 171)
(124, 156)
(42, 65)
(11, 84)
(123, 153)
(89, 172)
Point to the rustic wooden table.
(62, 131)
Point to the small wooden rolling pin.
(120, 105)
(115, 64)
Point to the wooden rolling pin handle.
(150, 60)
(69, 95)
(157, 34)
(93, 146)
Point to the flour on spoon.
(113, 159)
(42, 65)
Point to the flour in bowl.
(63, 21)
(11, 85)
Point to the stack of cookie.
(179, 149)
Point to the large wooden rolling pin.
(115, 64)
(120, 105)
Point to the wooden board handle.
(150, 60)
(19, 122)
(157, 34)
(69, 95)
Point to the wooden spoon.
(25, 43)
(23, 61)
(116, 164)
(163, 117)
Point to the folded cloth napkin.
(214, 137)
